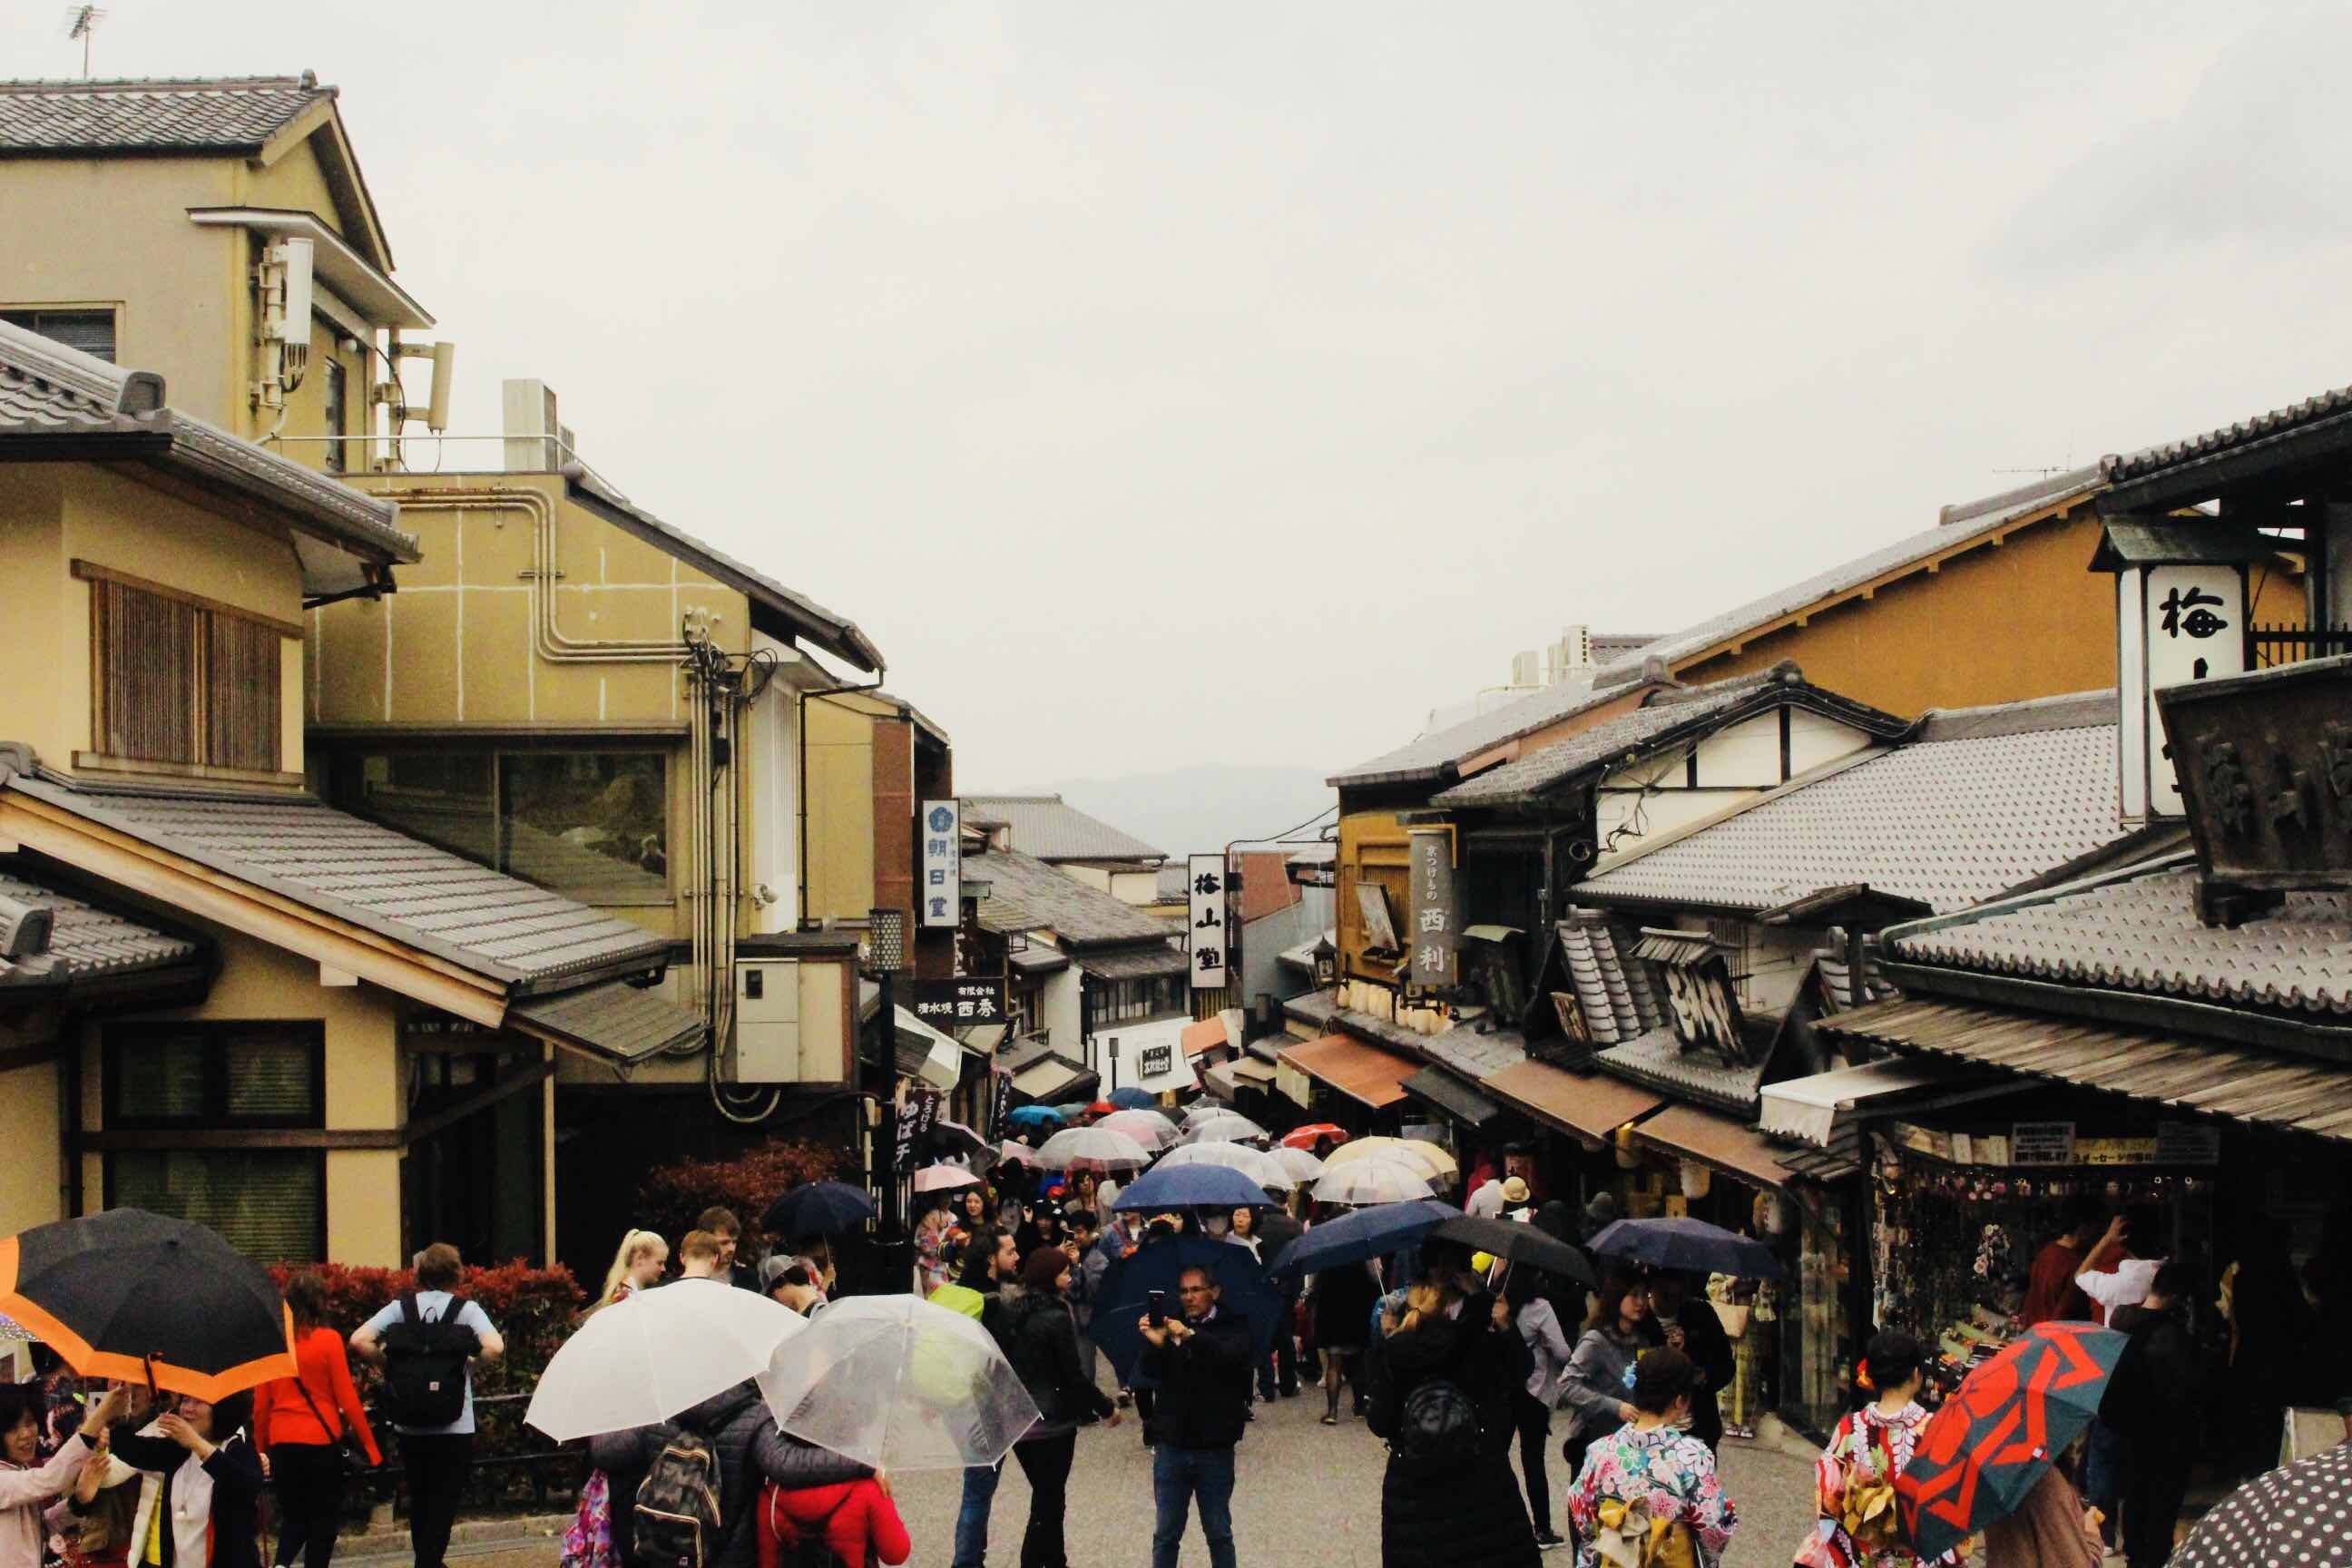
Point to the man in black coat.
(1202, 1359)
(1279, 1372)
(2157, 1399)
(1686, 1318)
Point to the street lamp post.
(886, 945)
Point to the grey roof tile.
(1658, 1060)
(616, 1020)
(86, 942)
(2138, 930)
(1139, 962)
(1025, 894)
(1046, 827)
(2194, 449)
(358, 871)
(1613, 993)
(1434, 756)
(1949, 823)
(226, 114)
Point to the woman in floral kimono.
(1648, 1496)
(1854, 1478)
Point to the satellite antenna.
(81, 21)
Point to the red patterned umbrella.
(1982, 1452)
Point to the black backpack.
(678, 1513)
(1438, 1422)
(424, 1365)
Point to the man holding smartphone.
(1201, 1356)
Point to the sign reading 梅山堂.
(1434, 915)
(954, 1003)
(940, 891)
(1206, 922)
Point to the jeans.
(1533, 1418)
(971, 1518)
(437, 1465)
(1178, 1476)
(1046, 1462)
(309, 1479)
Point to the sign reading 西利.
(1432, 917)
(939, 889)
(1205, 919)
(953, 1004)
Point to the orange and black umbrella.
(2000, 1431)
(132, 1295)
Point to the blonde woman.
(599, 1534)
(637, 1266)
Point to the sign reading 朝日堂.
(1206, 888)
(1432, 939)
(940, 891)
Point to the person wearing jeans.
(1040, 1341)
(1201, 1360)
(438, 1459)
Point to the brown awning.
(1206, 1036)
(1361, 1072)
(1592, 1108)
(1718, 1140)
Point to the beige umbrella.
(1440, 1164)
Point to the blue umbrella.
(1687, 1247)
(1133, 1099)
(1124, 1294)
(1027, 1117)
(1365, 1234)
(820, 1208)
(1192, 1188)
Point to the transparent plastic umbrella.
(900, 1385)
(643, 1360)
(1100, 1144)
(1302, 1166)
(1439, 1163)
(1379, 1179)
(1224, 1127)
(940, 1178)
(1147, 1128)
(1255, 1163)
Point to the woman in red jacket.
(299, 1423)
(857, 1518)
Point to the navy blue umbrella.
(820, 1208)
(1368, 1233)
(1687, 1247)
(1133, 1099)
(1125, 1293)
(1192, 1188)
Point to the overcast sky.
(1162, 384)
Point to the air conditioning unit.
(766, 1048)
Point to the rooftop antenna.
(81, 21)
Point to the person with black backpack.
(1443, 1404)
(427, 1341)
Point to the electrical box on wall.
(766, 1048)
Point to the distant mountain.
(1191, 811)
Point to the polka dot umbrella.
(2300, 1517)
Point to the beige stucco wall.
(840, 742)
(30, 1132)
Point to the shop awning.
(615, 1022)
(1364, 1073)
(1436, 1087)
(926, 1054)
(1690, 1134)
(1206, 1036)
(1227, 1080)
(2210, 1079)
(1592, 1108)
(1807, 1109)
(1052, 1081)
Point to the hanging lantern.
(1629, 1158)
(1697, 1179)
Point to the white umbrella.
(939, 1178)
(1301, 1163)
(1382, 1179)
(1434, 1160)
(1224, 1127)
(898, 1384)
(1201, 1109)
(642, 1360)
(1147, 1128)
(1255, 1163)
(1099, 1144)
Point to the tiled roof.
(1670, 715)
(1047, 828)
(1266, 887)
(86, 942)
(1613, 993)
(2273, 426)
(1433, 755)
(1947, 822)
(340, 865)
(1659, 1060)
(2138, 930)
(1610, 646)
(1957, 526)
(618, 1021)
(1025, 894)
(225, 114)
(1143, 961)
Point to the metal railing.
(2270, 647)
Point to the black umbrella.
(1688, 1247)
(133, 1296)
(2290, 1516)
(820, 1208)
(1519, 1243)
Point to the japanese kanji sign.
(955, 1003)
(1205, 921)
(1433, 924)
(2196, 631)
(938, 880)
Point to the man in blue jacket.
(1201, 1360)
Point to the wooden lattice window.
(180, 681)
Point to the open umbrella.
(1440, 1164)
(1190, 1186)
(1133, 1099)
(1031, 1117)
(1313, 1134)
(132, 1295)
(1364, 1235)
(818, 1208)
(900, 1385)
(1255, 1163)
(1125, 1291)
(1099, 1144)
(643, 1360)
(1018, 1153)
(1147, 1128)
(1984, 1449)
(1302, 1166)
(1688, 1247)
(2294, 1515)
(1382, 1179)
(953, 1140)
(1222, 1127)
(941, 1178)
(1522, 1244)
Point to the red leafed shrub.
(532, 1308)
(748, 1183)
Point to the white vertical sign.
(938, 890)
(2195, 631)
(1205, 885)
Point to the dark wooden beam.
(440, 1120)
(112, 1140)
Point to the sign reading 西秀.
(954, 1003)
